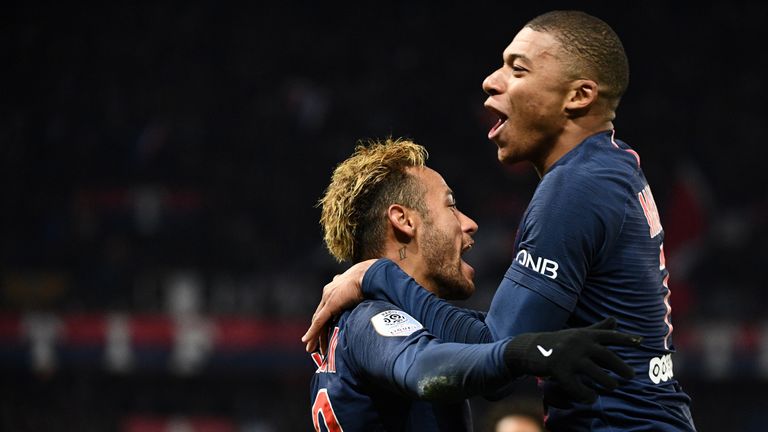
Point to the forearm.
(387, 282)
(429, 369)
(449, 372)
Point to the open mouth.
(466, 268)
(495, 130)
(467, 247)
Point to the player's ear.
(582, 95)
(402, 220)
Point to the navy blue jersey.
(589, 246)
(383, 371)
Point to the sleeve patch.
(395, 323)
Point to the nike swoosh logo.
(545, 353)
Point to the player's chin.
(460, 290)
(507, 148)
(467, 271)
(469, 289)
(468, 274)
(458, 284)
(507, 156)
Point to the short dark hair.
(594, 49)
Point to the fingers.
(554, 396)
(341, 293)
(604, 333)
(601, 377)
(317, 335)
(323, 341)
(313, 326)
(319, 318)
(318, 343)
(609, 360)
(606, 324)
(574, 389)
(319, 321)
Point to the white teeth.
(466, 248)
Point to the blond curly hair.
(362, 188)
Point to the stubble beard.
(450, 282)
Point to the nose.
(468, 225)
(492, 84)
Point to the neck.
(409, 260)
(574, 132)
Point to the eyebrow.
(510, 58)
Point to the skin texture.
(436, 241)
(432, 245)
(544, 112)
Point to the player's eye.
(518, 68)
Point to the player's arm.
(563, 231)
(421, 366)
(383, 280)
(386, 281)
(567, 229)
(418, 365)
(478, 315)
(519, 310)
(516, 309)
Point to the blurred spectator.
(516, 415)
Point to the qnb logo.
(660, 369)
(544, 266)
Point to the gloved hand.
(554, 395)
(569, 355)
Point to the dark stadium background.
(159, 163)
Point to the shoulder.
(587, 192)
(595, 177)
(382, 318)
(572, 194)
(374, 333)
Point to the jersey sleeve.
(571, 221)
(516, 309)
(393, 350)
(386, 281)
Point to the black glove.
(554, 395)
(568, 355)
